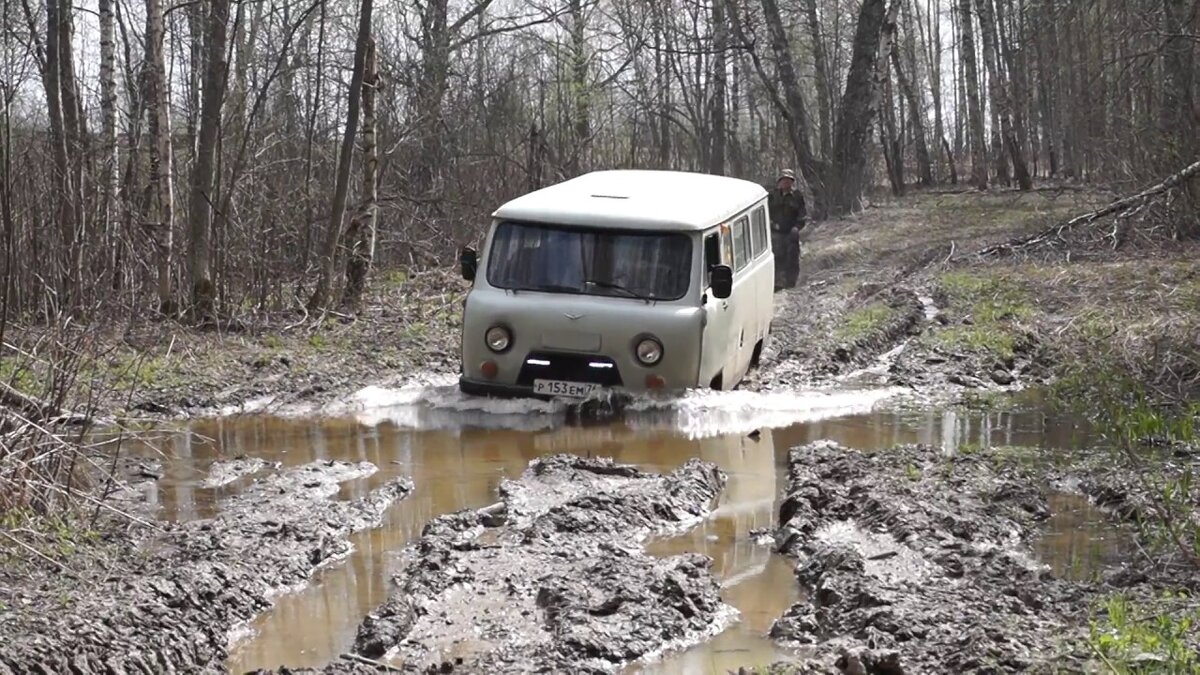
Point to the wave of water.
(435, 403)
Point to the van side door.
(743, 302)
(718, 313)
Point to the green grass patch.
(17, 373)
(54, 536)
(1130, 638)
(994, 306)
(999, 343)
(865, 322)
(127, 372)
(988, 298)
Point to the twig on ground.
(36, 553)
(1125, 204)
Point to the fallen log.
(35, 408)
(1118, 206)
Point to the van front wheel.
(718, 382)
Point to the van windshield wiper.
(618, 287)
(549, 288)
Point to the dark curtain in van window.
(593, 262)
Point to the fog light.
(649, 351)
(489, 369)
(655, 382)
(498, 339)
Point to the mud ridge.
(915, 562)
(553, 577)
(173, 601)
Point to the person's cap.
(787, 173)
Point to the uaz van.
(633, 280)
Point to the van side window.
(741, 243)
(712, 253)
(759, 235)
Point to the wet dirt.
(552, 577)
(919, 561)
(173, 603)
(458, 456)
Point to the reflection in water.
(457, 453)
(1079, 541)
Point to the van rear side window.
(759, 234)
(741, 243)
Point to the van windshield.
(617, 263)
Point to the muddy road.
(712, 533)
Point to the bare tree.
(872, 41)
(108, 122)
(825, 88)
(791, 104)
(717, 103)
(999, 94)
(361, 233)
(333, 233)
(979, 171)
(200, 206)
(161, 201)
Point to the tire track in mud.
(171, 604)
(553, 578)
(914, 561)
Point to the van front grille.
(543, 365)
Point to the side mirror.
(469, 261)
(721, 280)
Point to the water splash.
(704, 414)
(436, 403)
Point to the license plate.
(560, 388)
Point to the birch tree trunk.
(720, 131)
(361, 233)
(160, 211)
(200, 206)
(581, 106)
(52, 82)
(108, 127)
(333, 233)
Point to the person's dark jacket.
(786, 210)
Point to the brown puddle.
(457, 468)
(1079, 541)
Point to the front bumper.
(473, 387)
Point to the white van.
(633, 280)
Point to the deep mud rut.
(917, 562)
(171, 604)
(908, 559)
(552, 578)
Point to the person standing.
(786, 209)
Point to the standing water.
(457, 451)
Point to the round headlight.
(649, 351)
(498, 339)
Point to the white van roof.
(636, 199)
